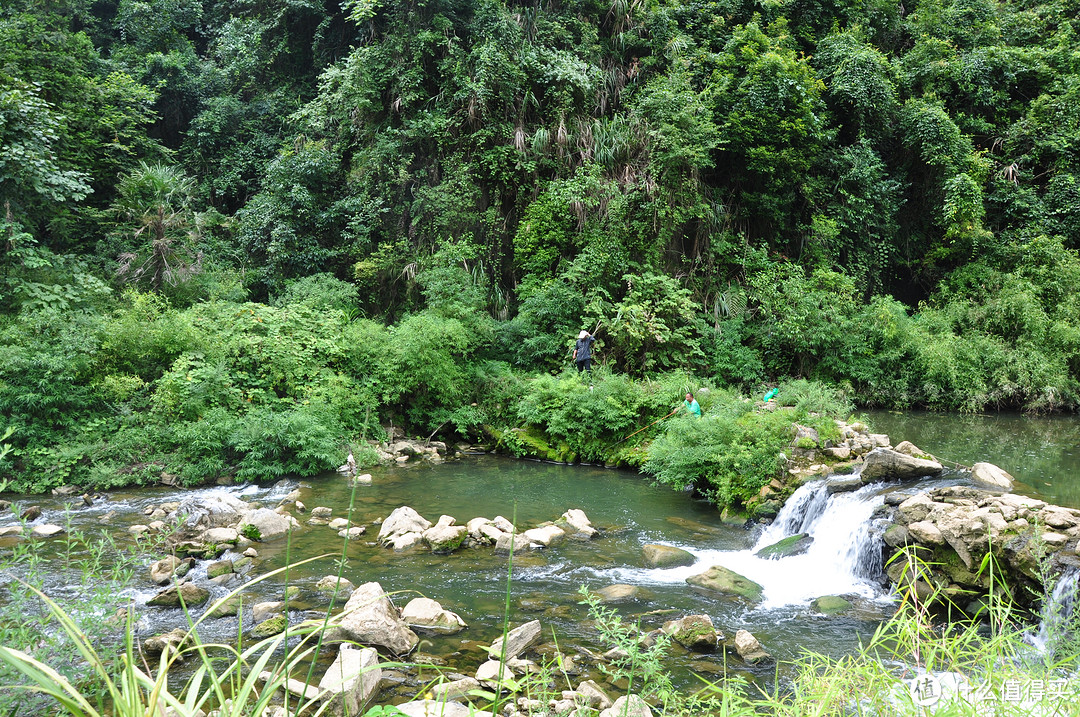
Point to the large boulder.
(265, 524)
(887, 464)
(212, 510)
(402, 521)
(666, 556)
(428, 614)
(351, 680)
(371, 619)
(987, 475)
(727, 582)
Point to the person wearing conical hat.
(583, 352)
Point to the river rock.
(830, 605)
(843, 484)
(352, 533)
(269, 627)
(926, 533)
(727, 582)
(887, 464)
(792, 545)
(371, 619)
(269, 524)
(212, 510)
(987, 475)
(402, 521)
(546, 536)
(666, 556)
(575, 523)
(628, 706)
(454, 689)
(46, 530)
(260, 611)
(694, 632)
(428, 614)
(895, 536)
(351, 681)
(172, 640)
(910, 449)
(217, 536)
(228, 607)
(617, 593)
(437, 708)
(445, 536)
(492, 671)
(503, 524)
(332, 583)
(518, 543)
(595, 694)
(518, 640)
(31, 514)
(749, 649)
(221, 567)
(171, 596)
(338, 523)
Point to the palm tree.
(157, 199)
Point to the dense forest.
(237, 236)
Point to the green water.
(1042, 453)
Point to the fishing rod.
(651, 424)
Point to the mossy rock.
(666, 556)
(831, 605)
(269, 627)
(719, 579)
(229, 608)
(791, 545)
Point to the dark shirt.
(584, 348)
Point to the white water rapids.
(843, 559)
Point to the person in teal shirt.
(691, 405)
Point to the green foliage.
(591, 420)
(738, 446)
(638, 664)
(251, 532)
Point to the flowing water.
(843, 559)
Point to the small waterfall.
(839, 525)
(844, 558)
(800, 512)
(1057, 611)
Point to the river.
(630, 512)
